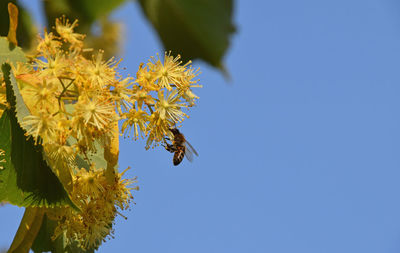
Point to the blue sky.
(298, 153)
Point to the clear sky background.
(300, 152)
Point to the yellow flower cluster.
(162, 90)
(68, 95)
(99, 201)
(75, 99)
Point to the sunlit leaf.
(104, 157)
(26, 179)
(16, 55)
(27, 231)
(10, 53)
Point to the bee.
(180, 147)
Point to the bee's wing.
(191, 148)
(188, 154)
(189, 151)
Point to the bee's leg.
(170, 148)
(166, 138)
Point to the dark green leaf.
(86, 11)
(90, 11)
(26, 179)
(192, 28)
(16, 101)
(43, 242)
(55, 9)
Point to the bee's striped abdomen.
(179, 154)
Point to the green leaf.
(55, 9)
(10, 53)
(16, 101)
(20, 107)
(96, 158)
(27, 231)
(86, 11)
(192, 28)
(91, 11)
(26, 179)
(43, 242)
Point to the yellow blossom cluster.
(68, 95)
(75, 98)
(162, 90)
(72, 97)
(99, 202)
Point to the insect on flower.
(180, 147)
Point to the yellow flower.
(170, 108)
(60, 155)
(75, 102)
(157, 128)
(169, 72)
(66, 31)
(41, 127)
(21, 69)
(89, 182)
(42, 96)
(121, 93)
(52, 66)
(142, 96)
(100, 72)
(48, 45)
(96, 111)
(186, 83)
(2, 160)
(3, 103)
(136, 120)
(146, 79)
(83, 134)
(121, 190)
(3, 99)
(98, 200)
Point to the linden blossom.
(97, 199)
(74, 98)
